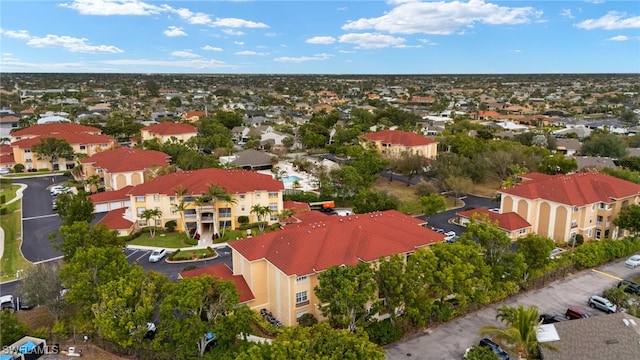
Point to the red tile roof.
(127, 159)
(114, 220)
(190, 114)
(56, 128)
(9, 119)
(7, 159)
(535, 176)
(197, 182)
(223, 272)
(398, 137)
(71, 138)
(576, 189)
(118, 195)
(170, 128)
(296, 206)
(6, 149)
(314, 246)
(508, 221)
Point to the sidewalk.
(18, 197)
(203, 246)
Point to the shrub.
(383, 332)
(243, 220)
(264, 325)
(18, 168)
(595, 253)
(67, 173)
(171, 225)
(191, 241)
(175, 255)
(307, 320)
(254, 225)
(189, 267)
(579, 240)
(125, 238)
(3, 199)
(43, 170)
(3, 210)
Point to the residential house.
(111, 200)
(115, 221)
(193, 116)
(511, 223)
(84, 140)
(167, 130)
(281, 267)
(396, 142)
(614, 336)
(562, 206)
(8, 123)
(594, 163)
(568, 147)
(223, 272)
(249, 159)
(6, 157)
(246, 189)
(122, 166)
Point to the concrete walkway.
(18, 197)
(197, 247)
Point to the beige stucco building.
(281, 268)
(393, 143)
(164, 131)
(562, 206)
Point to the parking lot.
(449, 341)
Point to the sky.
(320, 37)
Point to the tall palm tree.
(519, 331)
(214, 194)
(181, 206)
(149, 214)
(261, 212)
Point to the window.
(242, 208)
(172, 199)
(224, 212)
(140, 210)
(224, 224)
(574, 223)
(575, 209)
(139, 198)
(83, 147)
(273, 194)
(27, 150)
(273, 206)
(257, 195)
(303, 278)
(241, 196)
(593, 207)
(523, 231)
(173, 210)
(28, 160)
(598, 234)
(599, 220)
(142, 223)
(273, 217)
(302, 298)
(299, 315)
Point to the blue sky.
(320, 37)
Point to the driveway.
(449, 341)
(441, 220)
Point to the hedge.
(264, 325)
(594, 253)
(254, 225)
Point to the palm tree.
(519, 332)
(617, 295)
(94, 181)
(181, 207)
(214, 194)
(261, 212)
(149, 214)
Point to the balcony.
(301, 304)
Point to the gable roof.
(114, 220)
(105, 196)
(127, 159)
(508, 221)
(223, 272)
(197, 182)
(170, 128)
(398, 137)
(596, 338)
(70, 138)
(576, 189)
(51, 130)
(252, 157)
(314, 246)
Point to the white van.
(6, 302)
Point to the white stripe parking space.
(39, 217)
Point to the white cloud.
(16, 34)
(196, 64)
(191, 17)
(113, 7)
(346, 51)
(238, 23)
(567, 13)
(185, 54)
(516, 51)
(239, 43)
(371, 40)
(71, 44)
(232, 32)
(251, 53)
(344, 8)
(173, 31)
(404, 46)
(321, 40)
(444, 18)
(613, 20)
(211, 48)
(301, 59)
(619, 38)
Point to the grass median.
(12, 260)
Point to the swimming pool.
(289, 179)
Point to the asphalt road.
(441, 220)
(449, 341)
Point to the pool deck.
(306, 181)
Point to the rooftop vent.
(611, 341)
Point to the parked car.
(630, 287)
(495, 348)
(450, 236)
(550, 319)
(5, 171)
(6, 302)
(157, 255)
(556, 252)
(633, 261)
(573, 313)
(598, 302)
(54, 205)
(59, 189)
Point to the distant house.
(594, 163)
(568, 147)
(395, 142)
(114, 220)
(166, 130)
(7, 124)
(193, 116)
(249, 160)
(123, 166)
(511, 223)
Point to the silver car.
(157, 255)
(598, 302)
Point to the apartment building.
(395, 142)
(166, 130)
(562, 206)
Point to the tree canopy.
(52, 149)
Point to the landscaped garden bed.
(194, 254)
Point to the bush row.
(595, 253)
(264, 325)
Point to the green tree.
(418, 291)
(409, 165)
(51, 149)
(481, 353)
(12, 328)
(629, 219)
(432, 204)
(175, 101)
(152, 87)
(558, 164)
(457, 185)
(180, 193)
(74, 208)
(81, 235)
(389, 279)
(346, 292)
(151, 214)
(535, 250)
(618, 296)
(369, 201)
(94, 181)
(126, 304)
(261, 213)
(191, 309)
(495, 243)
(41, 285)
(228, 119)
(519, 331)
(604, 144)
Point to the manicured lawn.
(9, 192)
(194, 254)
(171, 240)
(12, 259)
